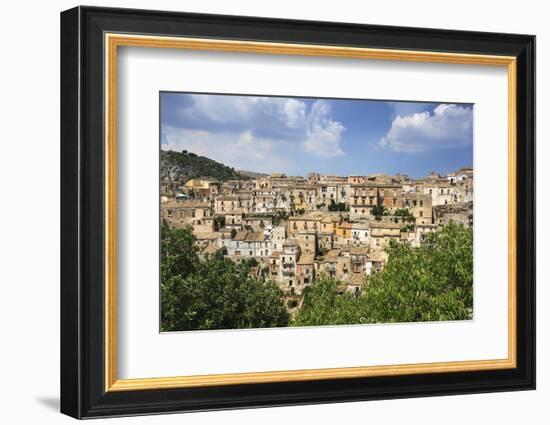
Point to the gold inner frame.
(113, 41)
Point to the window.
(421, 213)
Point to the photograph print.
(291, 211)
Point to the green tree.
(324, 306)
(340, 206)
(378, 211)
(214, 293)
(178, 252)
(430, 283)
(404, 214)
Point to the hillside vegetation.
(184, 166)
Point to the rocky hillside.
(183, 166)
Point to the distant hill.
(252, 174)
(184, 166)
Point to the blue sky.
(332, 136)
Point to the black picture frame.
(82, 219)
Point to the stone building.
(288, 261)
(460, 213)
(392, 197)
(308, 242)
(420, 205)
(362, 199)
(185, 213)
(382, 232)
(233, 204)
(247, 244)
(305, 272)
(360, 233)
(257, 222)
(277, 238)
(306, 222)
(263, 201)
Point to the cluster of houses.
(299, 229)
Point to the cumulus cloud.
(242, 151)
(323, 134)
(274, 121)
(449, 126)
(265, 116)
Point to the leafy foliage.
(279, 218)
(214, 293)
(340, 206)
(324, 306)
(430, 283)
(188, 165)
(404, 214)
(378, 211)
(433, 282)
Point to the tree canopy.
(212, 293)
(324, 306)
(430, 283)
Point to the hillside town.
(301, 228)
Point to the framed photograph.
(261, 212)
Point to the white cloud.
(323, 134)
(449, 126)
(267, 118)
(295, 112)
(242, 151)
(246, 111)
